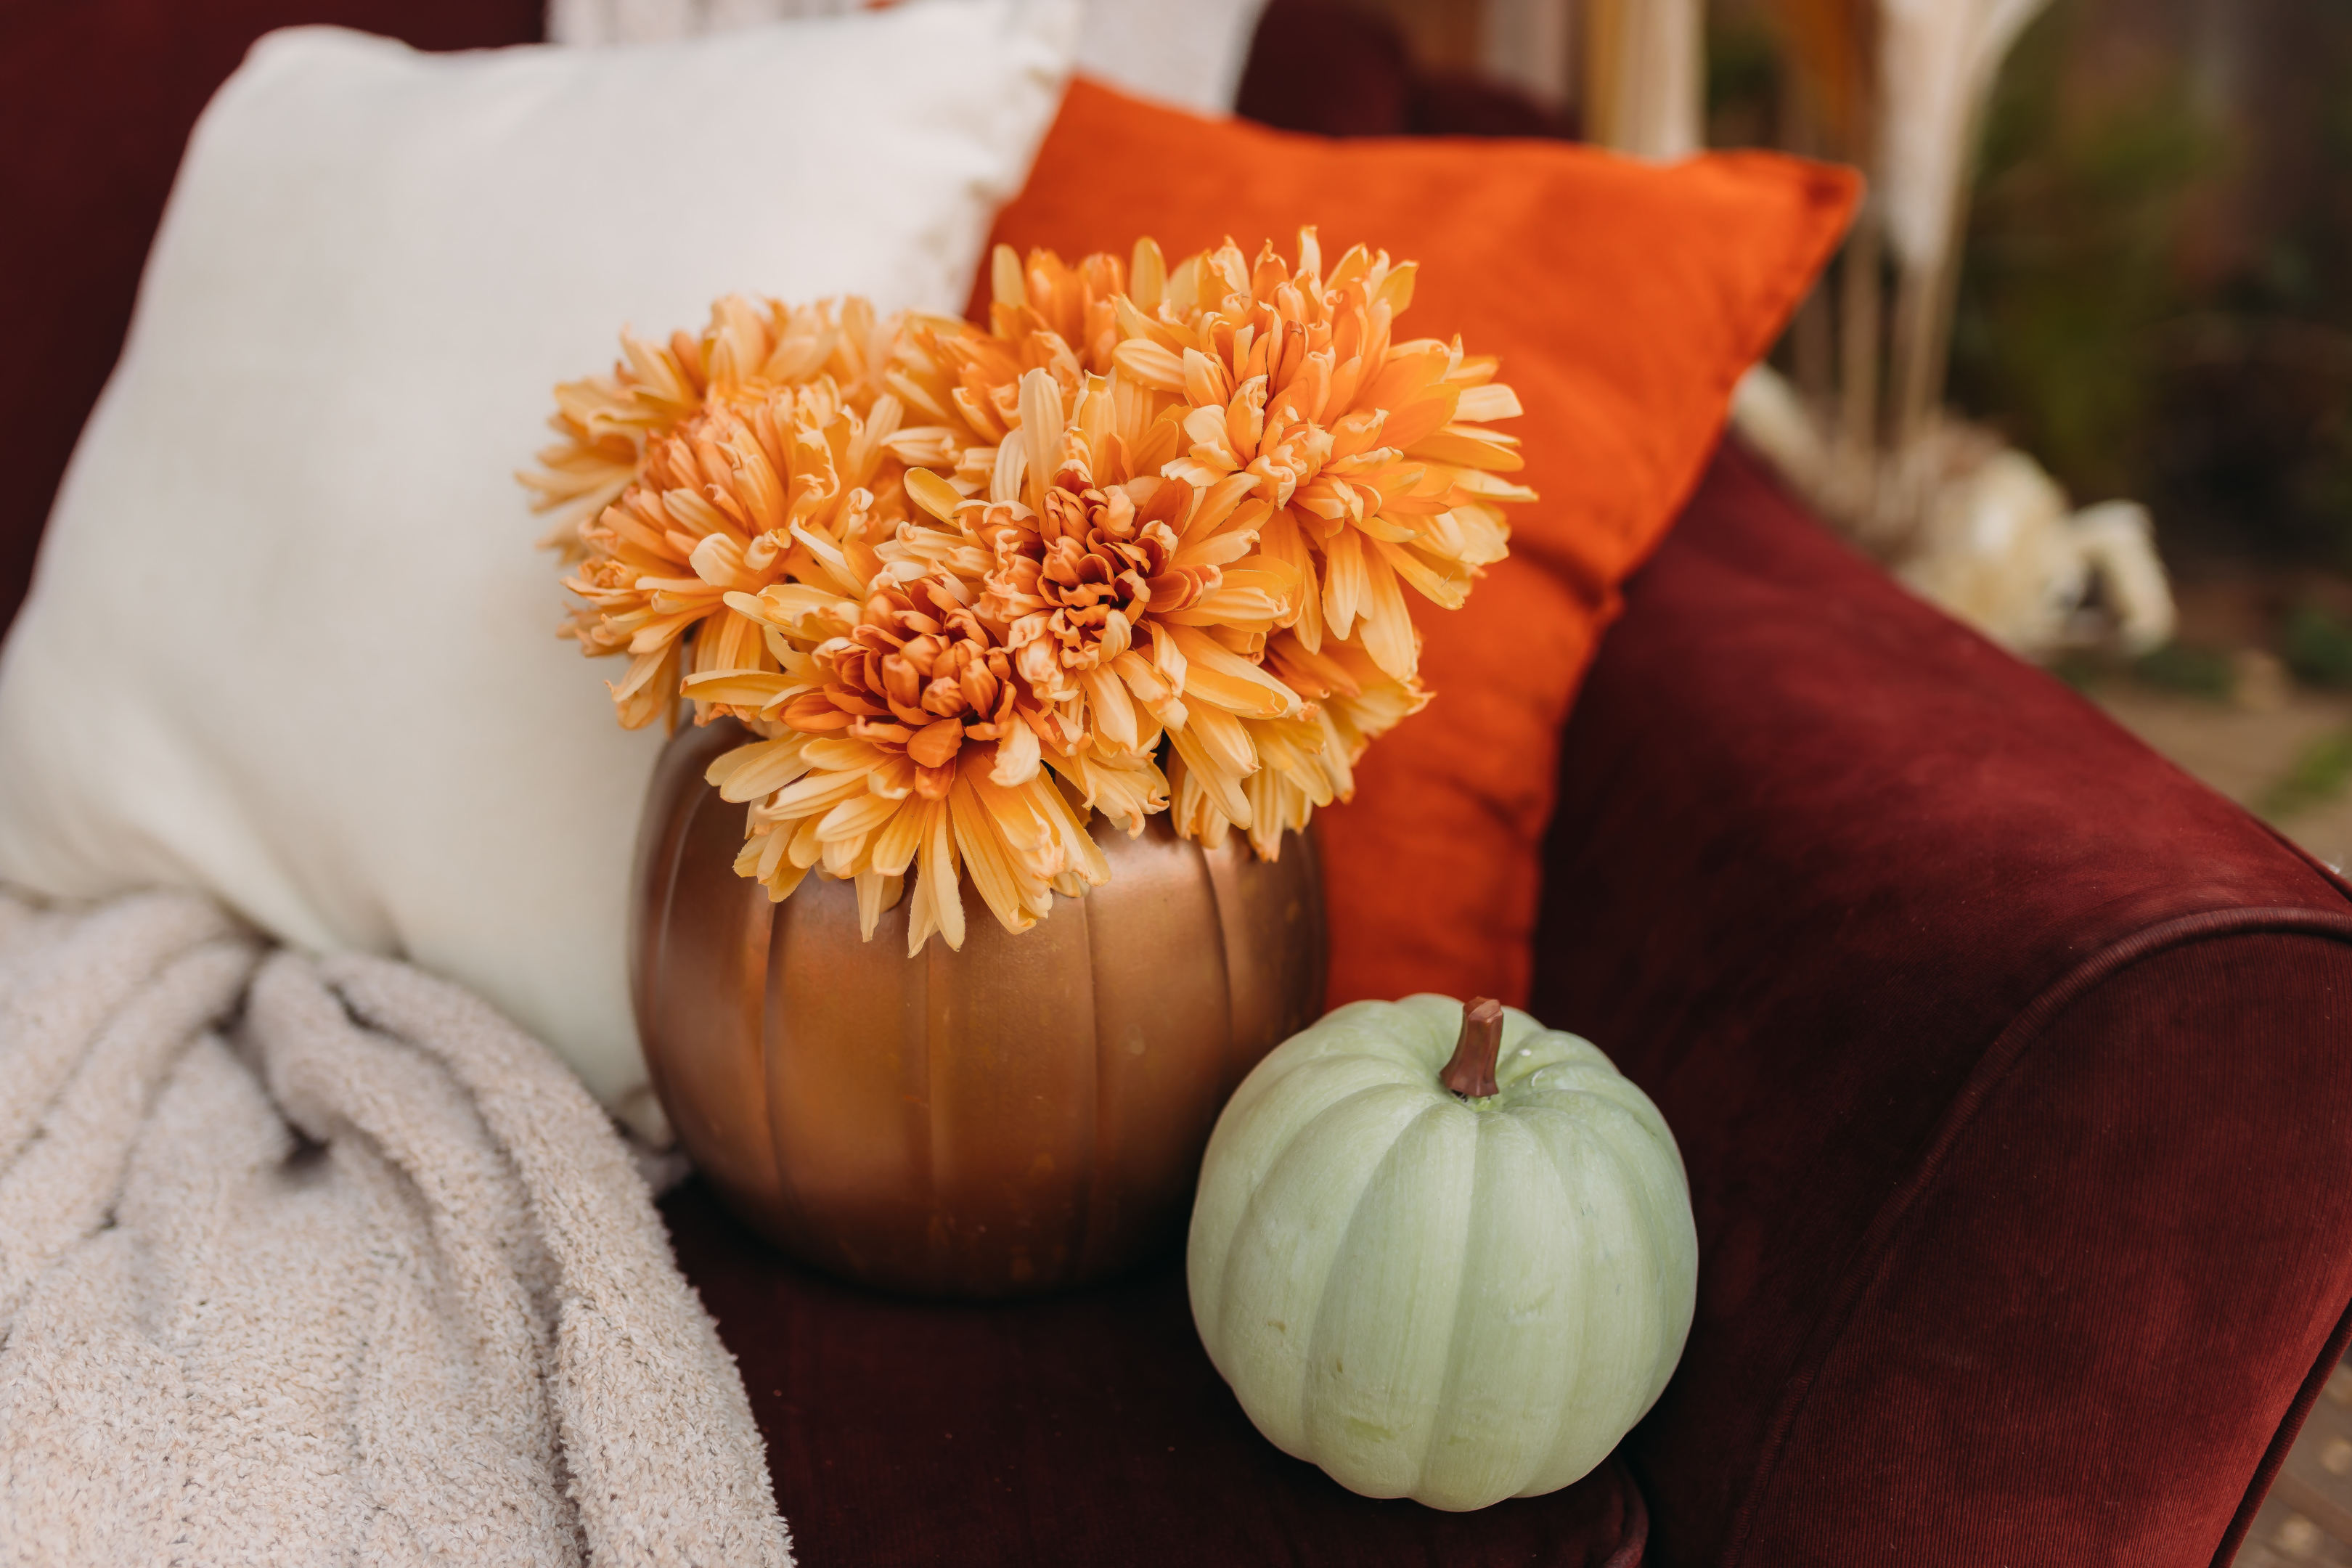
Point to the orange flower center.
(1072, 585)
(917, 674)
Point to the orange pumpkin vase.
(1024, 1113)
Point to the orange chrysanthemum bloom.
(1121, 592)
(754, 454)
(1327, 468)
(968, 584)
(1370, 454)
(900, 735)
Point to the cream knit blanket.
(309, 1260)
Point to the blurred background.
(2155, 300)
(2107, 259)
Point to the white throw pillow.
(290, 640)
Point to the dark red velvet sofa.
(2012, 1069)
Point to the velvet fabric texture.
(1336, 69)
(1624, 301)
(2007, 1062)
(1084, 1429)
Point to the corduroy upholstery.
(2008, 1064)
(1084, 1429)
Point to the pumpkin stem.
(1471, 1072)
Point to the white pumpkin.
(1456, 1298)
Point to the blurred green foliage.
(2078, 219)
(2318, 646)
(1743, 81)
(2321, 773)
(2157, 297)
(2082, 669)
(2190, 668)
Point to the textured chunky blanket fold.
(308, 1259)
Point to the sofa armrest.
(2008, 1064)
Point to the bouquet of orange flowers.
(1141, 543)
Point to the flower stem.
(1471, 1071)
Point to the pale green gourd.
(1456, 1300)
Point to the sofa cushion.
(1082, 1428)
(1624, 301)
(2006, 1062)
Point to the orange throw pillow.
(1624, 300)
